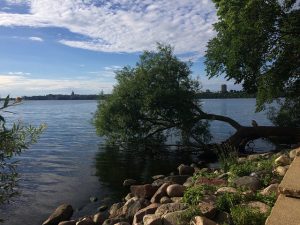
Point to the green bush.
(228, 200)
(190, 213)
(227, 156)
(243, 215)
(243, 169)
(193, 195)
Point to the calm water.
(70, 163)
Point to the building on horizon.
(223, 88)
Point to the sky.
(60, 46)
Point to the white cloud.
(124, 25)
(19, 85)
(36, 39)
(18, 73)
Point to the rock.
(132, 206)
(208, 209)
(159, 182)
(177, 179)
(116, 209)
(129, 196)
(122, 223)
(242, 159)
(156, 177)
(189, 182)
(201, 220)
(138, 217)
(185, 170)
(293, 153)
(175, 190)
(223, 190)
(222, 218)
(210, 181)
(152, 219)
(161, 192)
(102, 208)
(143, 191)
(247, 182)
(165, 200)
(71, 222)
(98, 218)
(93, 199)
(129, 182)
(176, 199)
(85, 221)
(282, 160)
(170, 207)
(113, 221)
(280, 170)
(61, 213)
(254, 157)
(262, 207)
(270, 189)
(223, 175)
(174, 218)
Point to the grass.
(243, 215)
(193, 195)
(227, 156)
(190, 213)
(228, 200)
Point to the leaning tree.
(159, 97)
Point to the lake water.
(70, 162)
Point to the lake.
(70, 163)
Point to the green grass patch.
(244, 215)
(193, 195)
(228, 200)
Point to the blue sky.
(56, 46)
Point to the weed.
(227, 155)
(228, 200)
(193, 195)
(243, 215)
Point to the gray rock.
(161, 192)
(116, 209)
(175, 190)
(138, 217)
(61, 213)
(143, 191)
(247, 182)
(113, 221)
(170, 207)
(223, 190)
(132, 206)
(177, 179)
(152, 219)
(165, 200)
(270, 189)
(185, 170)
(174, 218)
(129, 182)
(159, 182)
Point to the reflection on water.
(113, 166)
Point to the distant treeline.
(229, 94)
(66, 97)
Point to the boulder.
(122, 223)
(61, 213)
(102, 208)
(223, 190)
(176, 199)
(152, 219)
(185, 170)
(177, 179)
(132, 206)
(129, 182)
(143, 191)
(116, 210)
(138, 217)
(208, 209)
(128, 196)
(280, 170)
(156, 177)
(161, 192)
(113, 221)
(262, 207)
(175, 190)
(247, 182)
(170, 207)
(201, 220)
(189, 182)
(98, 218)
(293, 153)
(174, 218)
(283, 160)
(159, 182)
(254, 157)
(222, 218)
(71, 222)
(270, 189)
(85, 221)
(165, 200)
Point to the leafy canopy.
(155, 98)
(258, 45)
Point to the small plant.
(267, 199)
(243, 215)
(227, 155)
(189, 213)
(243, 169)
(228, 200)
(193, 195)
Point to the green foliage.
(228, 200)
(152, 99)
(227, 156)
(193, 195)
(243, 215)
(267, 199)
(13, 141)
(189, 214)
(258, 45)
(243, 169)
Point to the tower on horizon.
(223, 88)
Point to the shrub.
(243, 215)
(193, 195)
(243, 169)
(227, 156)
(228, 200)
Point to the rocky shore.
(242, 191)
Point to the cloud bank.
(123, 25)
